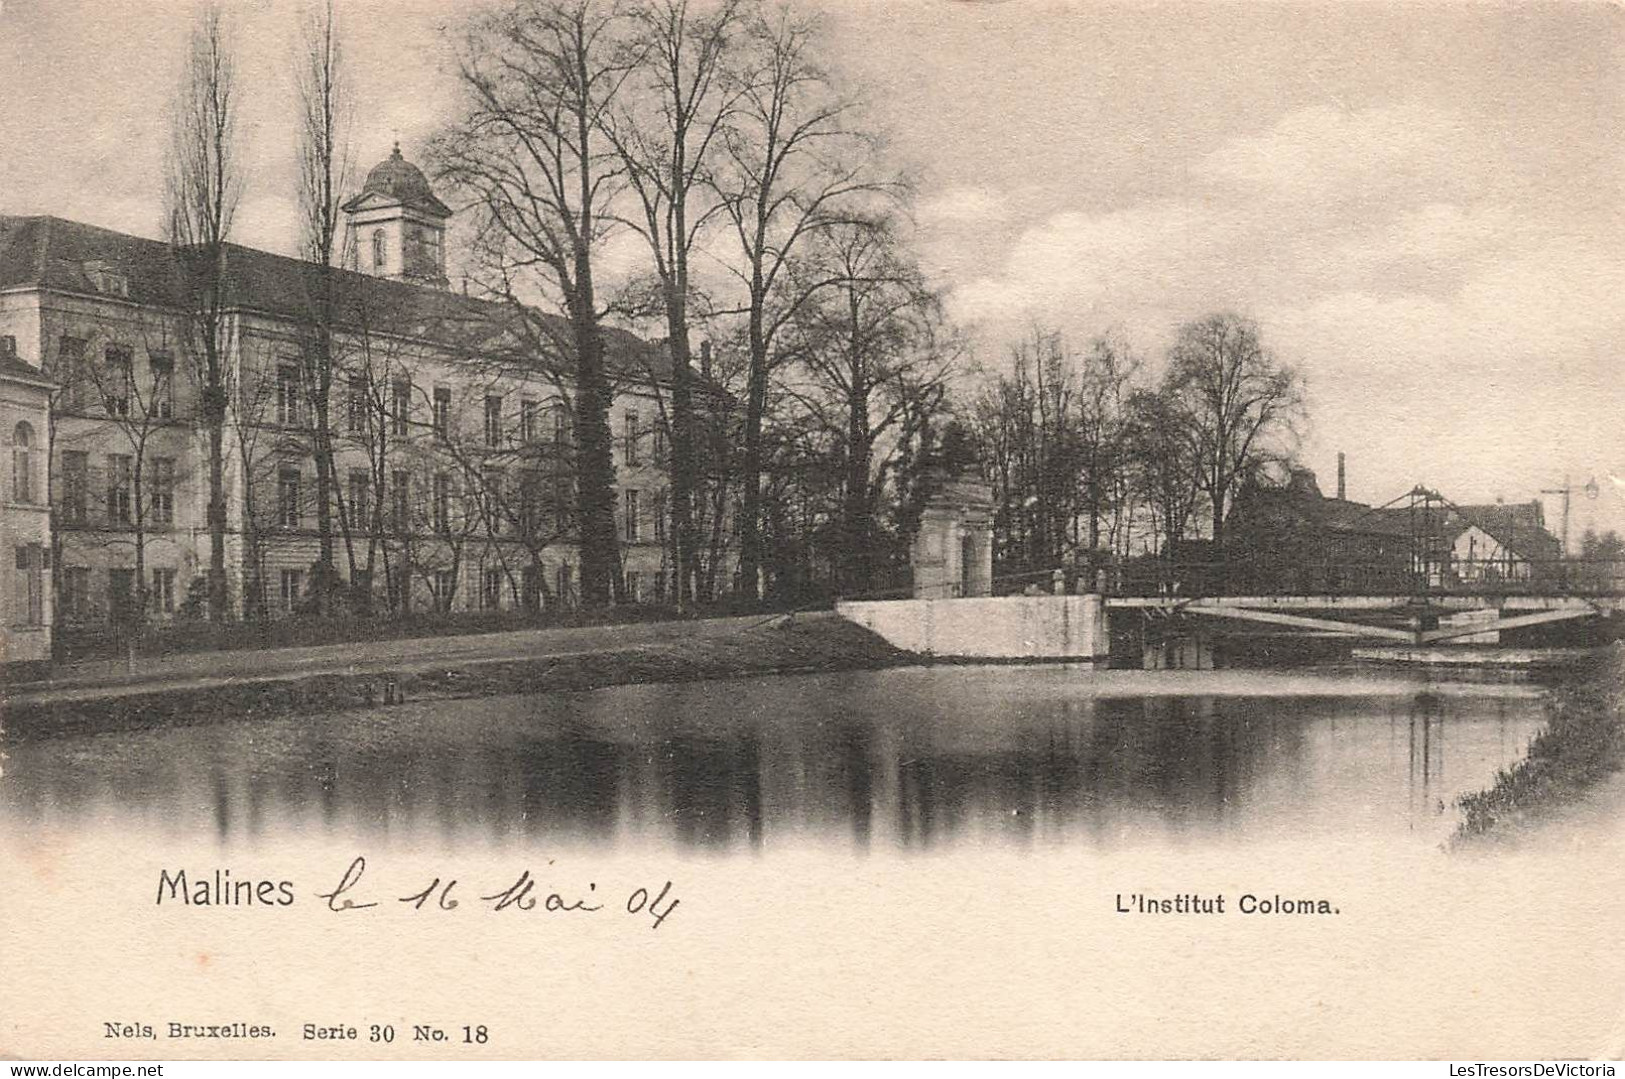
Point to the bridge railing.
(1455, 577)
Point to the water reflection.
(909, 758)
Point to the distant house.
(1489, 544)
(1292, 538)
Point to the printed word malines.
(219, 890)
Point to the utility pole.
(1566, 490)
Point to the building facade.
(450, 432)
(26, 602)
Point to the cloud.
(1327, 152)
(965, 206)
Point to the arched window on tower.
(378, 249)
(22, 463)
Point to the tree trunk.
(595, 478)
(750, 532)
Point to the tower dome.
(398, 178)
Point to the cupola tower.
(396, 227)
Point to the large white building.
(452, 434)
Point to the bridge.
(1430, 618)
(1385, 574)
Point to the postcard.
(678, 529)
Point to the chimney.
(705, 359)
(1342, 478)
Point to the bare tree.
(203, 185)
(1243, 405)
(141, 477)
(1160, 452)
(666, 132)
(324, 158)
(877, 363)
(539, 80)
(795, 161)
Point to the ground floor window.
(530, 587)
(163, 591)
(31, 561)
(74, 601)
(441, 587)
(491, 589)
(120, 595)
(634, 586)
(293, 583)
(564, 589)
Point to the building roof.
(12, 367)
(67, 256)
(1518, 527)
(1530, 541)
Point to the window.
(530, 587)
(120, 594)
(564, 588)
(493, 421)
(293, 585)
(629, 439)
(561, 503)
(442, 502)
(400, 393)
(162, 471)
(22, 463)
(287, 498)
(630, 499)
(377, 249)
(660, 516)
(442, 586)
(360, 502)
(162, 365)
(119, 376)
(119, 470)
(491, 589)
(356, 412)
(75, 486)
(74, 602)
(31, 585)
(287, 395)
(400, 505)
(530, 502)
(491, 494)
(660, 442)
(442, 413)
(633, 589)
(70, 359)
(162, 598)
(530, 422)
(561, 425)
(432, 249)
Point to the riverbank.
(441, 670)
(1579, 753)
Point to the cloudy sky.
(1421, 204)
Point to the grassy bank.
(775, 646)
(1582, 743)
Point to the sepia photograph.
(805, 529)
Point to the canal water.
(943, 861)
(904, 759)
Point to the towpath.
(108, 678)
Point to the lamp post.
(1590, 491)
